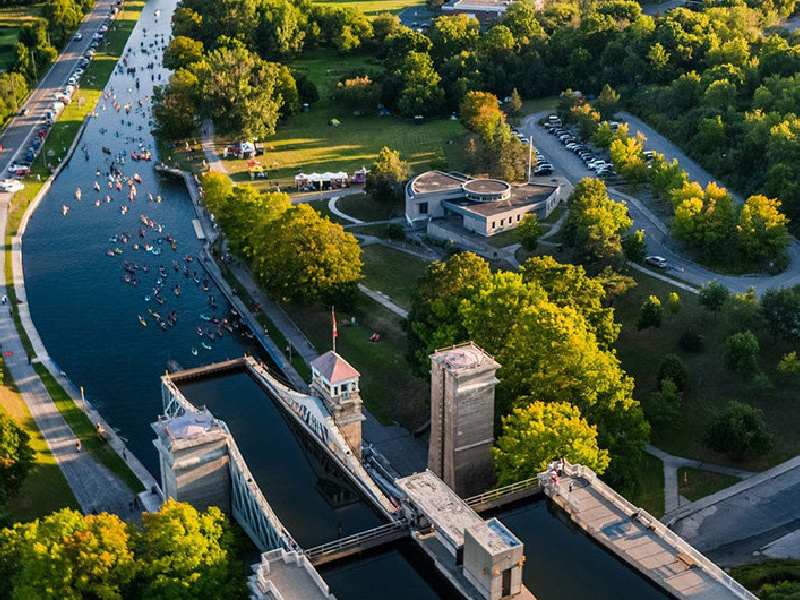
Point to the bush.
(761, 385)
(673, 368)
(664, 406)
(651, 313)
(396, 231)
(690, 341)
(741, 353)
(736, 430)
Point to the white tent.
(248, 148)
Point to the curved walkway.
(335, 210)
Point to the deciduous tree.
(540, 432)
(738, 430)
(387, 176)
(16, 457)
(595, 222)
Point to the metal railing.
(358, 539)
(502, 491)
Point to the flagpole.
(333, 332)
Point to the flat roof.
(441, 505)
(436, 181)
(494, 536)
(486, 186)
(464, 357)
(521, 195)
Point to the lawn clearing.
(366, 208)
(710, 384)
(306, 142)
(695, 484)
(391, 392)
(12, 20)
(648, 492)
(392, 272)
(45, 489)
(372, 8)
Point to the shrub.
(396, 231)
(690, 341)
(651, 313)
(741, 353)
(736, 430)
(673, 368)
(664, 406)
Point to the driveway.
(20, 130)
(659, 242)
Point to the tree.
(634, 246)
(67, 555)
(651, 313)
(182, 52)
(673, 368)
(607, 102)
(713, 296)
(569, 286)
(737, 430)
(301, 255)
(705, 219)
(790, 364)
(529, 232)
(744, 311)
(595, 222)
(674, 303)
(387, 176)
(186, 554)
(16, 457)
(514, 105)
(240, 92)
(420, 92)
(781, 310)
(762, 230)
(741, 353)
(478, 112)
(360, 92)
(540, 432)
(664, 405)
(175, 106)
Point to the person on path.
(77, 445)
(5, 298)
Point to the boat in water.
(142, 321)
(78, 193)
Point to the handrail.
(357, 538)
(502, 491)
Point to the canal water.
(563, 563)
(85, 312)
(313, 499)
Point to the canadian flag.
(333, 318)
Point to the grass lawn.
(372, 8)
(321, 206)
(45, 489)
(754, 575)
(380, 230)
(695, 484)
(649, 491)
(12, 20)
(503, 239)
(392, 272)
(389, 389)
(710, 385)
(307, 143)
(366, 208)
(554, 216)
(84, 429)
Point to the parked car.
(657, 261)
(544, 169)
(11, 185)
(77, 37)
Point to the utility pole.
(530, 156)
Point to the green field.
(12, 19)
(388, 387)
(648, 492)
(45, 489)
(372, 8)
(695, 484)
(710, 384)
(365, 208)
(306, 142)
(392, 272)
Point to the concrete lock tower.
(462, 418)
(336, 381)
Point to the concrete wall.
(484, 570)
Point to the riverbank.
(95, 482)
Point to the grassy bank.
(695, 484)
(85, 430)
(392, 272)
(648, 492)
(45, 489)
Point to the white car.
(657, 261)
(11, 185)
(77, 37)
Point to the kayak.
(206, 346)
(142, 321)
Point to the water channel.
(88, 317)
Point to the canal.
(311, 496)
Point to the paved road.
(659, 242)
(731, 525)
(21, 129)
(661, 8)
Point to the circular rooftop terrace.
(487, 190)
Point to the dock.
(198, 229)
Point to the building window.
(423, 208)
(336, 390)
(494, 224)
(518, 216)
(502, 221)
